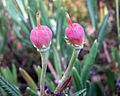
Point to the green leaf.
(20, 37)
(2, 43)
(88, 62)
(44, 14)
(25, 2)
(95, 90)
(111, 80)
(116, 56)
(57, 62)
(58, 7)
(27, 78)
(49, 79)
(32, 18)
(117, 2)
(62, 35)
(59, 23)
(22, 8)
(99, 68)
(87, 86)
(10, 89)
(92, 9)
(3, 30)
(32, 92)
(77, 65)
(17, 17)
(102, 31)
(79, 93)
(52, 88)
(38, 71)
(33, 5)
(69, 52)
(77, 79)
(4, 21)
(10, 76)
(2, 92)
(59, 27)
(14, 72)
(7, 74)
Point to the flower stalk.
(68, 70)
(44, 57)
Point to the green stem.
(68, 70)
(117, 17)
(44, 57)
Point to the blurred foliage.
(17, 18)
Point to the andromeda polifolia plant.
(75, 35)
(41, 39)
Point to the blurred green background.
(98, 63)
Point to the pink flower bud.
(41, 35)
(74, 32)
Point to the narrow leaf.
(20, 37)
(2, 43)
(27, 78)
(79, 93)
(31, 18)
(95, 90)
(38, 71)
(77, 79)
(111, 80)
(10, 89)
(57, 62)
(32, 91)
(14, 72)
(103, 31)
(92, 9)
(33, 5)
(17, 17)
(116, 56)
(22, 8)
(44, 14)
(60, 21)
(88, 62)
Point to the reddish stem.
(38, 21)
(69, 20)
